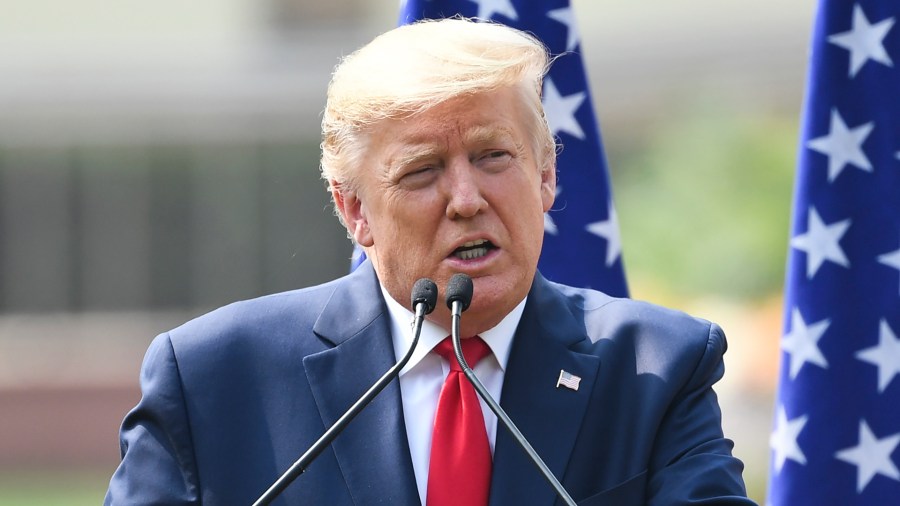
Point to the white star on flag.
(783, 440)
(885, 356)
(843, 145)
(565, 17)
(549, 226)
(847, 174)
(891, 259)
(864, 41)
(802, 343)
(820, 242)
(561, 110)
(487, 8)
(608, 230)
(871, 456)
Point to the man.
(439, 161)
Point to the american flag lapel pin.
(568, 380)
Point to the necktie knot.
(474, 349)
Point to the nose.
(465, 197)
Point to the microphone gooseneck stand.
(459, 295)
(424, 298)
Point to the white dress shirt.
(423, 376)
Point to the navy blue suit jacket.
(233, 398)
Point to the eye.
(494, 160)
(418, 177)
(420, 170)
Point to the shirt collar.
(498, 338)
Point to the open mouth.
(473, 249)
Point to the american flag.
(581, 232)
(836, 437)
(568, 380)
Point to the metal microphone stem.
(300, 465)
(456, 309)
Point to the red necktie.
(460, 469)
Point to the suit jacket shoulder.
(232, 398)
(614, 318)
(643, 426)
(664, 341)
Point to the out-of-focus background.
(158, 159)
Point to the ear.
(548, 186)
(353, 212)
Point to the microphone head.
(425, 291)
(460, 289)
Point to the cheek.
(408, 227)
(523, 200)
(530, 223)
(419, 210)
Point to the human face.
(454, 189)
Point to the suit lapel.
(355, 321)
(549, 417)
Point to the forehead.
(495, 116)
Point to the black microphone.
(424, 298)
(459, 296)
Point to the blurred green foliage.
(53, 488)
(704, 203)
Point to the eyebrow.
(412, 154)
(486, 134)
(415, 151)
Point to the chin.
(491, 297)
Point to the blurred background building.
(160, 159)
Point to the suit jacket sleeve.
(158, 465)
(692, 462)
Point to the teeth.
(473, 249)
(472, 253)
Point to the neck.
(471, 323)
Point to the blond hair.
(415, 67)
